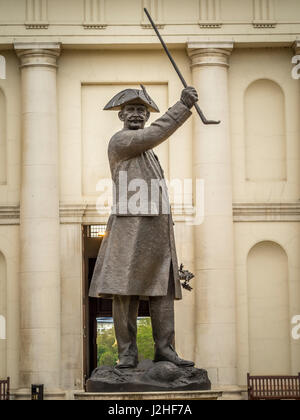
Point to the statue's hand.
(189, 97)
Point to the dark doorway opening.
(94, 308)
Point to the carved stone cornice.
(93, 25)
(210, 53)
(242, 212)
(72, 213)
(264, 25)
(260, 212)
(91, 214)
(9, 215)
(38, 54)
(85, 213)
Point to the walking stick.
(202, 116)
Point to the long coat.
(139, 246)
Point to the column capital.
(210, 53)
(38, 54)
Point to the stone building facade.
(61, 61)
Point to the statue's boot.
(127, 363)
(170, 355)
(162, 318)
(125, 312)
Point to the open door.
(95, 308)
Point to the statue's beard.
(136, 123)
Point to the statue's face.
(134, 116)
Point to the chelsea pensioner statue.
(138, 255)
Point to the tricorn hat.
(131, 96)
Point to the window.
(96, 231)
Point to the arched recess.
(265, 134)
(268, 303)
(2, 314)
(3, 158)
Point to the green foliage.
(144, 339)
(108, 359)
(108, 349)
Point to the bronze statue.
(138, 255)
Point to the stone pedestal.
(229, 393)
(148, 377)
(144, 396)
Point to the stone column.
(39, 218)
(214, 238)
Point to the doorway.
(95, 309)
